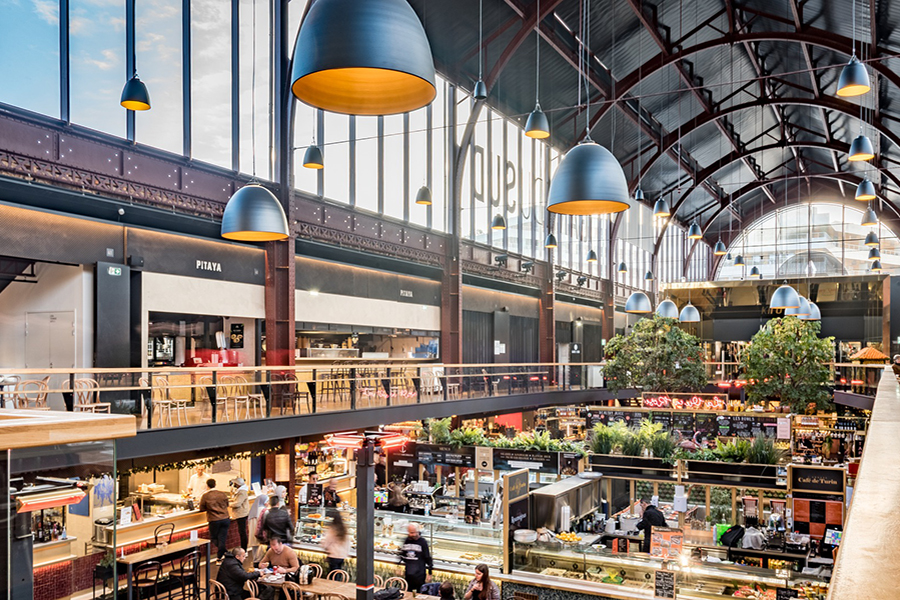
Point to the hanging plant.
(209, 461)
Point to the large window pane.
(30, 66)
(97, 64)
(418, 163)
(337, 167)
(304, 132)
(393, 166)
(159, 52)
(211, 81)
(367, 163)
(258, 92)
(438, 157)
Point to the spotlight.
(527, 266)
(501, 259)
(582, 280)
(560, 275)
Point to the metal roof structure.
(726, 108)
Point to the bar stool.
(187, 572)
(145, 577)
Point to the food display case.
(452, 542)
(695, 580)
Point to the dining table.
(160, 552)
(320, 586)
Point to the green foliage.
(437, 431)
(603, 440)
(633, 444)
(762, 451)
(649, 428)
(719, 505)
(656, 356)
(787, 361)
(662, 445)
(734, 451)
(467, 436)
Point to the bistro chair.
(397, 582)
(162, 404)
(224, 393)
(292, 590)
(339, 575)
(31, 391)
(379, 581)
(316, 569)
(217, 588)
(252, 587)
(85, 392)
(163, 533)
(240, 397)
(145, 577)
(187, 572)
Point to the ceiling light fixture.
(720, 249)
(591, 256)
(861, 149)
(550, 242)
(871, 239)
(667, 309)
(498, 223)
(694, 231)
(661, 208)
(312, 158)
(480, 91)
(135, 95)
(363, 58)
(689, 314)
(869, 218)
(865, 191)
(785, 297)
(638, 303)
(537, 126)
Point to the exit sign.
(114, 271)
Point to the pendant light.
(423, 196)
(874, 254)
(876, 266)
(667, 309)
(720, 249)
(589, 179)
(638, 192)
(865, 191)
(498, 223)
(622, 269)
(854, 79)
(871, 239)
(253, 213)
(869, 218)
(814, 313)
(739, 260)
(689, 314)
(537, 126)
(728, 256)
(312, 158)
(861, 149)
(363, 58)
(648, 276)
(661, 208)
(638, 303)
(694, 231)
(639, 195)
(135, 95)
(754, 272)
(480, 91)
(550, 242)
(591, 256)
(785, 297)
(800, 311)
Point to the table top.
(320, 586)
(154, 553)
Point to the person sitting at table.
(281, 558)
(481, 587)
(233, 575)
(446, 591)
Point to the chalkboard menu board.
(662, 417)
(664, 585)
(510, 459)
(707, 424)
(684, 422)
(473, 511)
(401, 462)
(723, 426)
(428, 454)
(785, 594)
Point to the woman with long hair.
(336, 543)
(481, 587)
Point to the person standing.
(896, 366)
(652, 517)
(277, 521)
(481, 587)
(215, 503)
(336, 543)
(380, 471)
(240, 508)
(417, 557)
(197, 482)
(233, 575)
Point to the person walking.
(240, 508)
(215, 503)
(417, 557)
(233, 575)
(336, 543)
(481, 587)
(652, 517)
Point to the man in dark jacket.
(233, 576)
(417, 556)
(277, 521)
(652, 517)
(215, 504)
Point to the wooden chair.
(316, 569)
(31, 391)
(86, 392)
(379, 582)
(292, 590)
(163, 533)
(187, 571)
(224, 392)
(252, 587)
(240, 396)
(145, 577)
(256, 402)
(332, 597)
(339, 575)
(217, 588)
(397, 582)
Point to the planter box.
(632, 467)
(724, 473)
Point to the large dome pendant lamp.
(871, 239)
(667, 309)
(689, 314)
(870, 219)
(785, 297)
(423, 196)
(800, 311)
(312, 158)
(874, 254)
(638, 303)
(876, 266)
(591, 256)
(254, 214)
(755, 273)
(551, 242)
(720, 249)
(854, 79)
(135, 95)
(498, 223)
(694, 231)
(814, 313)
(661, 208)
(865, 191)
(363, 58)
(861, 148)
(537, 126)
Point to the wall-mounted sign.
(817, 480)
(484, 458)
(664, 585)
(406, 294)
(237, 335)
(435, 454)
(517, 485)
(510, 459)
(207, 265)
(684, 402)
(114, 271)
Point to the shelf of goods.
(453, 543)
(602, 572)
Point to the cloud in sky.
(47, 10)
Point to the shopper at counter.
(277, 521)
(197, 482)
(417, 557)
(896, 366)
(215, 504)
(233, 575)
(380, 471)
(652, 517)
(481, 587)
(240, 507)
(336, 543)
(282, 559)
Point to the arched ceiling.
(698, 99)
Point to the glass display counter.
(695, 580)
(452, 542)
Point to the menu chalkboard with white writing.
(664, 585)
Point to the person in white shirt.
(197, 482)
